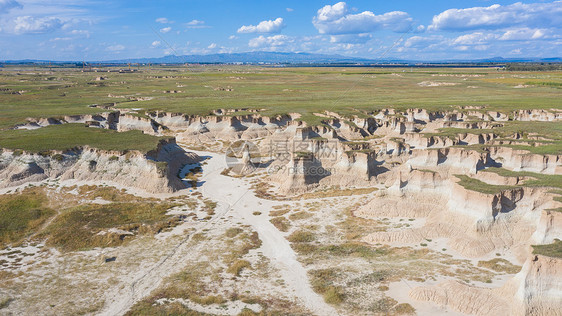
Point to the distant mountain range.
(283, 58)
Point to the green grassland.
(79, 228)
(277, 90)
(549, 132)
(536, 179)
(30, 215)
(274, 90)
(22, 215)
(67, 136)
(550, 250)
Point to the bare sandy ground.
(236, 200)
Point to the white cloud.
(351, 38)
(525, 34)
(196, 24)
(420, 29)
(31, 25)
(155, 44)
(335, 19)
(270, 42)
(163, 20)
(290, 9)
(477, 38)
(423, 41)
(498, 16)
(232, 37)
(81, 32)
(115, 48)
(57, 39)
(7, 5)
(165, 30)
(212, 46)
(270, 26)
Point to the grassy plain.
(67, 136)
(276, 90)
(28, 92)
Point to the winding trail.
(236, 199)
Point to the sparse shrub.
(281, 223)
(233, 232)
(383, 305)
(322, 282)
(4, 302)
(278, 212)
(304, 248)
(500, 265)
(58, 157)
(238, 266)
(404, 309)
(333, 295)
(209, 300)
(113, 158)
(256, 213)
(209, 207)
(301, 236)
(300, 215)
(199, 237)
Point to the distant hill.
(252, 58)
(283, 58)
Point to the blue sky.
(429, 30)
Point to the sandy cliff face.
(538, 287)
(520, 160)
(535, 290)
(475, 223)
(155, 172)
(458, 160)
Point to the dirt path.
(234, 199)
(274, 245)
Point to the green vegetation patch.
(237, 267)
(148, 307)
(500, 265)
(22, 215)
(300, 215)
(68, 136)
(482, 187)
(89, 226)
(301, 236)
(322, 282)
(551, 250)
(281, 223)
(539, 179)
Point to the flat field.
(202, 89)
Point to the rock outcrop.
(154, 172)
(535, 290)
